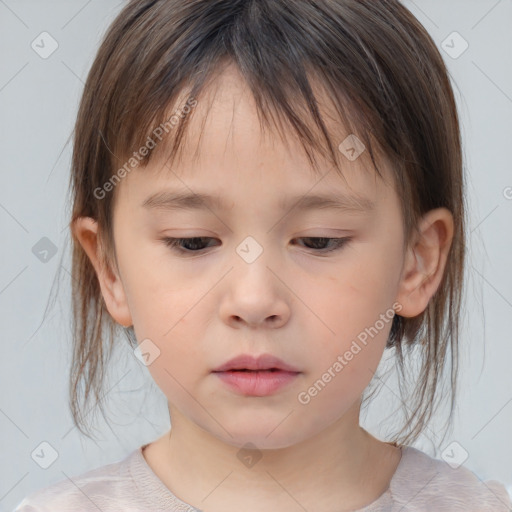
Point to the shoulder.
(99, 488)
(425, 483)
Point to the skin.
(300, 305)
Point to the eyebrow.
(174, 201)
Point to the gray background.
(38, 102)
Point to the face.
(313, 286)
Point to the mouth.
(254, 371)
(256, 376)
(262, 363)
(256, 383)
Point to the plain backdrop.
(39, 94)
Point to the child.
(267, 194)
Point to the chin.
(267, 435)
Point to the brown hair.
(387, 81)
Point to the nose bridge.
(253, 263)
(250, 249)
(254, 294)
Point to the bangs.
(172, 64)
(322, 119)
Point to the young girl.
(267, 195)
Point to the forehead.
(226, 145)
(226, 108)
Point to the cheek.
(170, 311)
(157, 294)
(344, 345)
(353, 309)
(170, 323)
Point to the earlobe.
(425, 262)
(85, 230)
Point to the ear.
(86, 231)
(425, 261)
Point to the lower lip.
(257, 383)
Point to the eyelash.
(174, 244)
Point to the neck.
(343, 464)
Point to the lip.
(261, 362)
(257, 382)
(267, 374)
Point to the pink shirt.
(420, 483)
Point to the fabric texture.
(419, 484)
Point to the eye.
(337, 243)
(192, 245)
(198, 244)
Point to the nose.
(255, 296)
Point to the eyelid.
(173, 244)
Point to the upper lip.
(249, 362)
